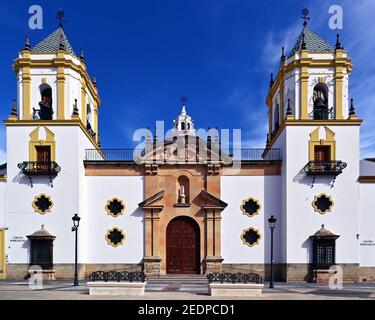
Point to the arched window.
(182, 125)
(88, 116)
(45, 112)
(277, 117)
(183, 190)
(320, 98)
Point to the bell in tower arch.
(320, 99)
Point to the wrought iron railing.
(325, 167)
(36, 168)
(235, 277)
(117, 276)
(250, 154)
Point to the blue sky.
(148, 53)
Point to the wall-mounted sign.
(18, 239)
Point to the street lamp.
(76, 220)
(272, 224)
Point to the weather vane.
(184, 99)
(305, 16)
(60, 16)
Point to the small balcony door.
(43, 158)
(322, 153)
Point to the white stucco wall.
(20, 216)
(367, 224)
(235, 189)
(302, 220)
(98, 190)
(2, 204)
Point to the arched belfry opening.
(183, 246)
(45, 110)
(320, 98)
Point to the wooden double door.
(183, 246)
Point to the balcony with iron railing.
(326, 167)
(132, 155)
(36, 168)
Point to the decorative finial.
(323, 226)
(338, 44)
(81, 56)
(42, 226)
(352, 108)
(14, 108)
(60, 16)
(75, 109)
(27, 43)
(271, 80)
(61, 44)
(282, 59)
(94, 81)
(305, 16)
(288, 109)
(303, 45)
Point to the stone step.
(182, 283)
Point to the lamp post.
(272, 224)
(76, 220)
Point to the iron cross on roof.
(305, 16)
(184, 99)
(60, 16)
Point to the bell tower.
(317, 130)
(53, 121)
(53, 84)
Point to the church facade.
(184, 205)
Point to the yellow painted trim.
(109, 212)
(83, 102)
(245, 242)
(60, 91)
(293, 122)
(245, 212)
(329, 141)
(96, 122)
(304, 79)
(270, 117)
(3, 178)
(59, 61)
(26, 81)
(53, 123)
(109, 242)
(36, 209)
(282, 80)
(3, 273)
(34, 142)
(339, 93)
(316, 209)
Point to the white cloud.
(275, 40)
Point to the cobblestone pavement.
(59, 290)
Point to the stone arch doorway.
(183, 246)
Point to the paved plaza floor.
(63, 290)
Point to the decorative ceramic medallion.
(115, 237)
(42, 204)
(323, 203)
(251, 237)
(250, 207)
(115, 207)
